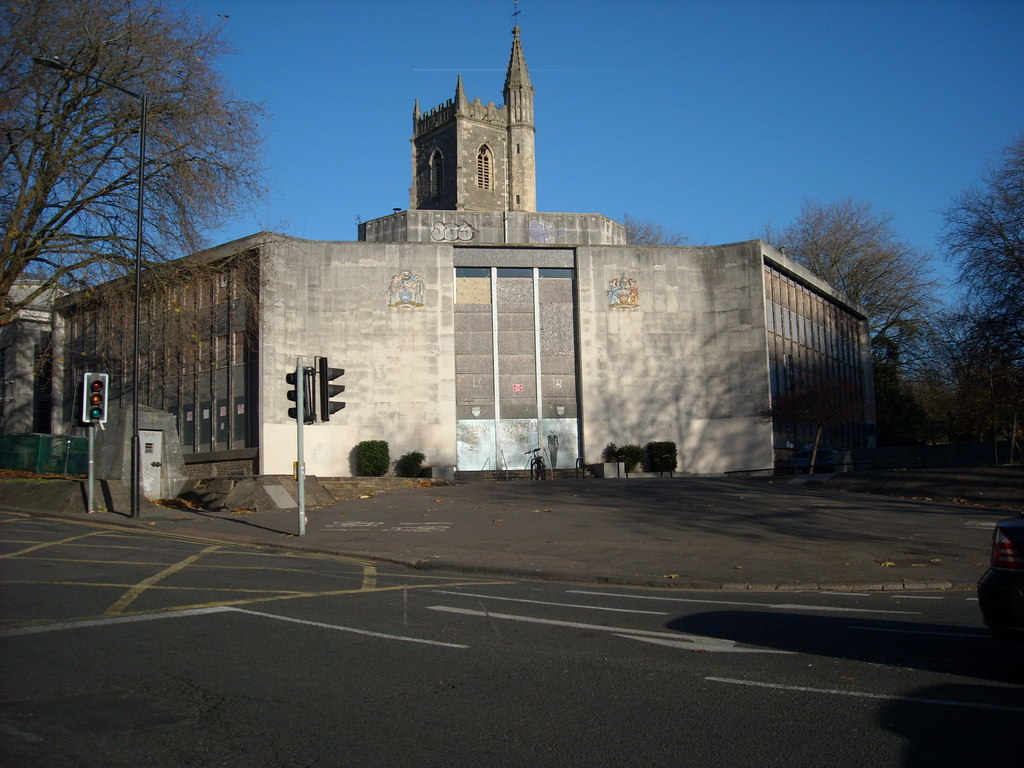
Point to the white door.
(152, 450)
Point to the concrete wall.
(331, 299)
(688, 363)
(494, 228)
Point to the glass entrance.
(515, 367)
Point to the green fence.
(45, 454)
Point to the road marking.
(721, 646)
(133, 594)
(110, 620)
(867, 695)
(113, 620)
(154, 587)
(690, 642)
(369, 577)
(917, 597)
(434, 526)
(545, 602)
(36, 547)
(922, 632)
(985, 524)
(269, 598)
(353, 630)
(780, 606)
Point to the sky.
(714, 118)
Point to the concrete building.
(473, 329)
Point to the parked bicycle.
(538, 469)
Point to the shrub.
(373, 457)
(610, 453)
(633, 456)
(410, 464)
(662, 457)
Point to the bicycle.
(538, 469)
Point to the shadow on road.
(946, 649)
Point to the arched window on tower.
(484, 168)
(436, 174)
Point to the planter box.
(608, 469)
(439, 473)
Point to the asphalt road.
(130, 647)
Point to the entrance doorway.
(515, 367)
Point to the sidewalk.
(705, 533)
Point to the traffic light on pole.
(95, 390)
(308, 406)
(328, 390)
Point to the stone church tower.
(470, 156)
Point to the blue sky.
(713, 118)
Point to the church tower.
(470, 156)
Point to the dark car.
(1001, 589)
(825, 461)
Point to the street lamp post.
(55, 63)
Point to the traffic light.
(308, 406)
(328, 390)
(95, 390)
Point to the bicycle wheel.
(537, 468)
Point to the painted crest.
(623, 293)
(405, 290)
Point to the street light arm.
(53, 62)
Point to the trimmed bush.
(373, 457)
(633, 456)
(610, 454)
(662, 457)
(411, 464)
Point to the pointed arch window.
(436, 173)
(484, 168)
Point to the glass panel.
(517, 384)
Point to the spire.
(517, 76)
(460, 96)
(416, 111)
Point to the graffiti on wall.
(444, 232)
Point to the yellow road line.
(330, 593)
(13, 624)
(156, 587)
(132, 594)
(369, 577)
(36, 547)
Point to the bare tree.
(70, 151)
(985, 232)
(651, 233)
(856, 251)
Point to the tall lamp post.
(55, 63)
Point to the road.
(125, 647)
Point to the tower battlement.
(474, 110)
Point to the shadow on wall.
(716, 430)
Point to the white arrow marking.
(690, 642)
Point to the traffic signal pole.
(89, 505)
(95, 396)
(300, 422)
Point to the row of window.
(484, 170)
